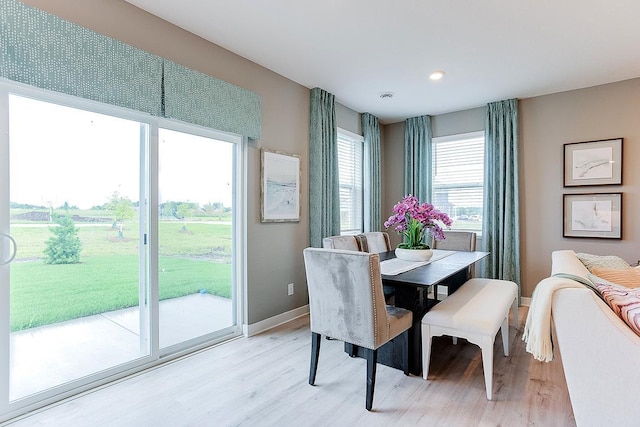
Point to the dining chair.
(377, 242)
(374, 242)
(350, 243)
(346, 302)
(456, 241)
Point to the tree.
(64, 246)
(182, 211)
(121, 207)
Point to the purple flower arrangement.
(413, 220)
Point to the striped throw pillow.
(629, 277)
(624, 302)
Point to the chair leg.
(426, 350)
(372, 361)
(505, 335)
(316, 339)
(487, 364)
(515, 312)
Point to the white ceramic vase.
(416, 255)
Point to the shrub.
(64, 246)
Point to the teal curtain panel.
(324, 191)
(372, 173)
(501, 223)
(417, 158)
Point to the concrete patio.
(51, 355)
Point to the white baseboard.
(272, 322)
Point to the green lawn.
(42, 294)
(194, 257)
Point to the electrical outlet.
(290, 288)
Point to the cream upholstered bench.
(475, 312)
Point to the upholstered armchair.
(350, 243)
(346, 302)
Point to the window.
(130, 229)
(458, 175)
(350, 148)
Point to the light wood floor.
(263, 381)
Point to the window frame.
(454, 138)
(353, 138)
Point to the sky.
(61, 154)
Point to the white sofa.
(600, 353)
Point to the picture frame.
(593, 163)
(595, 215)
(280, 186)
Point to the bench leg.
(505, 335)
(487, 364)
(426, 350)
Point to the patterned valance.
(200, 99)
(43, 50)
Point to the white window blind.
(350, 148)
(458, 175)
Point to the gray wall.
(274, 249)
(348, 119)
(546, 124)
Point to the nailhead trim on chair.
(375, 314)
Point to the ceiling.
(356, 49)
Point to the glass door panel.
(195, 265)
(76, 281)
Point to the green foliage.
(121, 207)
(64, 246)
(183, 210)
(413, 236)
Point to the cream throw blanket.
(537, 329)
(565, 266)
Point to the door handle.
(15, 249)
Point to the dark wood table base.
(415, 299)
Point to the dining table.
(416, 286)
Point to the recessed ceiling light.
(436, 75)
(386, 95)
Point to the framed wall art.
(596, 215)
(280, 185)
(593, 163)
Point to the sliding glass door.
(195, 235)
(120, 243)
(74, 213)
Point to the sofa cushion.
(624, 302)
(629, 277)
(604, 261)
